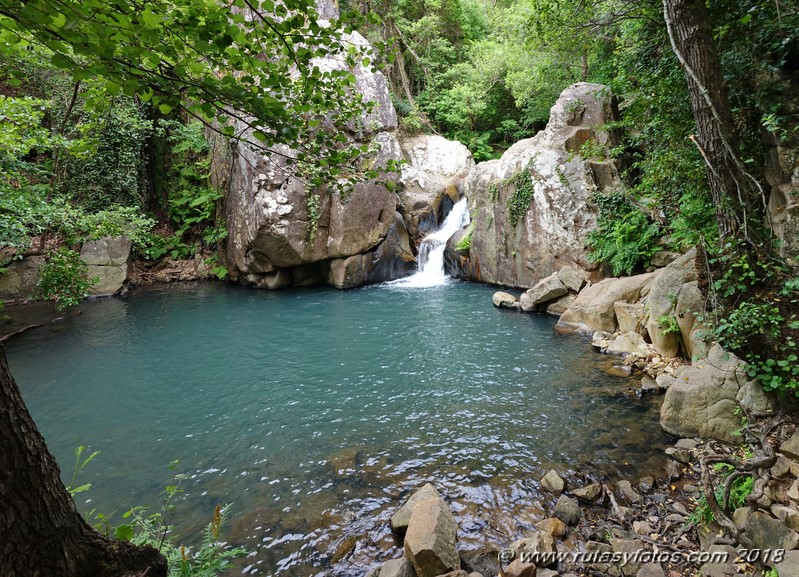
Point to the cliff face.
(281, 233)
(531, 208)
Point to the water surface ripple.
(315, 411)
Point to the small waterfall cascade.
(431, 250)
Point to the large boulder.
(663, 324)
(594, 308)
(430, 541)
(278, 227)
(431, 180)
(20, 278)
(107, 261)
(704, 399)
(550, 186)
(392, 259)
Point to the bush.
(64, 278)
(626, 237)
(757, 309)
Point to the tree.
(43, 533)
(737, 195)
(249, 69)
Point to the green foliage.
(668, 325)
(314, 206)
(626, 237)
(521, 185)
(465, 243)
(63, 278)
(211, 557)
(79, 466)
(210, 62)
(115, 170)
(758, 318)
(740, 489)
(519, 190)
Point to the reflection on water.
(316, 411)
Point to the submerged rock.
(505, 300)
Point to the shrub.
(63, 278)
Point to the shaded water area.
(316, 411)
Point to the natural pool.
(315, 410)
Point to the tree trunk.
(41, 532)
(737, 195)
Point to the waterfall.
(431, 250)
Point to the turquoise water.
(315, 411)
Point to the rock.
(678, 508)
(537, 548)
(703, 400)
(788, 515)
(766, 532)
(724, 568)
(567, 510)
(505, 300)
(107, 261)
(663, 258)
(275, 222)
(518, 568)
(526, 303)
(458, 573)
(391, 260)
(397, 568)
(20, 278)
(430, 541)
(547, 573)
(789, 565)
(553, 231)
(627, 492)
(646, 484)
(663, 299)
(547, 289)
(593, 310)
(561, 305)
(648, 384)
(629, 316)
(588, 493)
(430, 179)
(642, 528)
(629, 344)
(782, 467)
(693, 333)
(553, 526)
(790, 446)
(571, 279)
(553, 483)
(399, 520)
(627, 547)
(651, 570)
(682, 455)
(600, 339)
(484, 561)
(740, 516)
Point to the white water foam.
(431, 251)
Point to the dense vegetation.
(111, 112)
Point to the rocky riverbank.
(648, 527)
